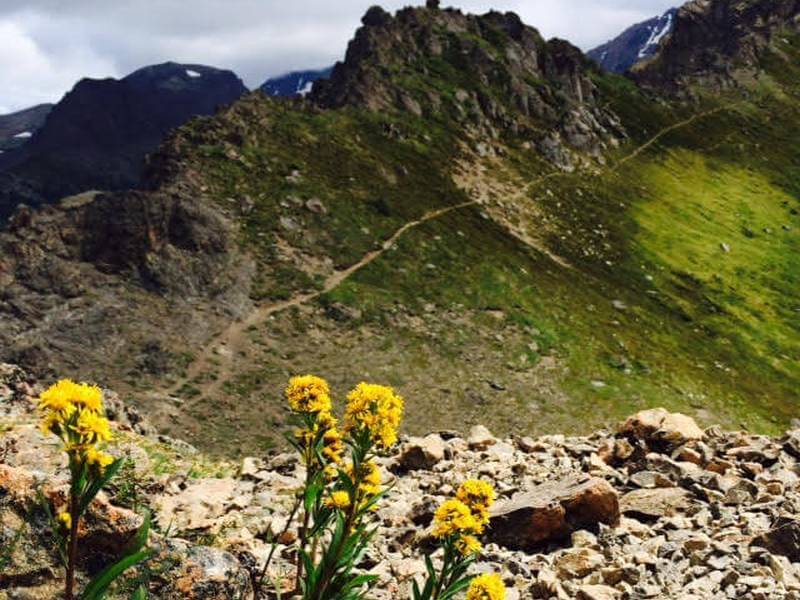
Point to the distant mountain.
(636, 43)
(296, 83)
(98, 135)
(18, 127)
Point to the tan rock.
(578, 563)
(552, 511)
(422, 453)
(597, 592)
(655, 503)
(657, 426)
(480, 438)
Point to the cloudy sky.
(47, 45)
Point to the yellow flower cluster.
(339, 499)
(74, 412)
(465, 516)
(64, 520)
(488, 586)
(454, 517)
(479, 497)
(308, 394)
(377, 409)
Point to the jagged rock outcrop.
(99, 252)
(713, 39)
(722, 521)
(490, 72)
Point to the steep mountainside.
(476, 216)
(296, 83)
(17, 128)
(715, 42)
(636, 43)
(97, 136)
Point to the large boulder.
(422, 453)
(783, 539)
(552, 511)
(661, 429)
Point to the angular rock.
(552, 511)
(655, 503)
(597, 592)
(422, 453)
(661, 429)
(783, 539)
(480, 438)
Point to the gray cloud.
(47, 45)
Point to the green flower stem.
(72, 552)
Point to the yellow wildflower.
(479, 497)
(338, 499)
(308, 394)
(51, 423)
(468, 545)
(88, 396)
(453, 517)
(64, 520)
(333, 445)
(488, 586)
(93, 427)
(59, 397)
(377, 409)
(97, 458)
(368, 478)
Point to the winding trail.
(233, 335)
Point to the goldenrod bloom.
(333, 446)
(64, 520)
(488, 586)
(93, 427)
(96, 458)
(308, 394)
(377, 409)
(454, 517)
(468, 545)
(479, 497)
(338, 499)
(59, 397)
(89, 396)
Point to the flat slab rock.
(552, 511)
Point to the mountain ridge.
(97, 136)
(654, 264)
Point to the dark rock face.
(713, 38)
(551, 511)
(296, 83)
(97, 136)
(491, 73)
(107, 254)
(17, 128)
(638, 42)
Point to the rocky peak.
(492, 73)
(713, 39)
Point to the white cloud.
(47, 45)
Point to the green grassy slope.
(682, 288)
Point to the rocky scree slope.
(715, 41)
(656, 509)
(484, 261)
(97, 136)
